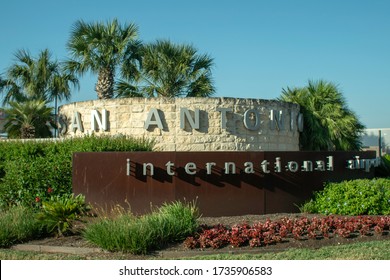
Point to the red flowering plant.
(269, 232)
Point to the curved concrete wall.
(190, 124)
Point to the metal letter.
(157, 121)
(293, 166)
(209, 166)
(276, 120)
(278, 165)
(185, 114)
(329, 165)
(128, 167)
(264, 166)
(300, 122)
(307, 166)
(169, 166)
(293, 121)
(228, 166)
(223, 116)
(247, 119)
(190, 168)
(320, 165)
(151, 168)
(76, 122)
(100, 121)
(249, 167)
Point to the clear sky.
(259, 46)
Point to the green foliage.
(59, 213)
(29, 119)
(328, 122)
(32, 172)
(18, 224)
(138, 235)
(356, 197)
(36, 78)
(103, 48)
(171, 70)
(383, 170)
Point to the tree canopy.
(103, 48)
(328, 122)
(171, 70)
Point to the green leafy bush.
(32, 171)
(59, 213)
(18, 224)
(383, 170)
(356, 197)
(170, 223)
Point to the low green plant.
(59, 213)
(18, 224)
(355, 197)
(172, 222)
(28, 170)
(383, 170)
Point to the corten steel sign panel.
(222, 183)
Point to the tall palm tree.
(102, 49)
(29, 119)
(328, 122)
(41, 78)
(171, 70)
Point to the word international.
(277, 166)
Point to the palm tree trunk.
(55, 117)
(105, 84)
(27, 131)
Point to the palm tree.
(29, 119)
(171, 70)
(37, 79)
(328, 122)
(102, 49)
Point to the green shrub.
(59, 213)
(170, 223)
(383, 170)
(18, 224)
(356, 197)
(31, 172)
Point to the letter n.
(185, 114)
(99, 120)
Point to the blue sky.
(259, 46)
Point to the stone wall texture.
(259, 132)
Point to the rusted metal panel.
(279, 182)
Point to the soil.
(176, 251)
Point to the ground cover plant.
(355, 197)
(34, 171)
(272, 232)
(172, 222)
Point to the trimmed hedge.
(356, 197)
(33, 171)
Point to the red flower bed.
(269, 232)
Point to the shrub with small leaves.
(33, 171)
(355, 197)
